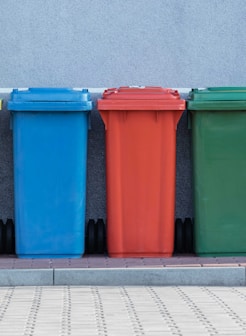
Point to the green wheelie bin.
(218, 122)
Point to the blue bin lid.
(50, 99)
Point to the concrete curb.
(189, 276)
(182, 276)
(26, 277)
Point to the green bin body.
(218, 121)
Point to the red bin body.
(140, 126)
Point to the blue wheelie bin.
(50, 130)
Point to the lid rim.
(37, 95)
(218, 94)
(141, 93)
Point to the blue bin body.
(50, 128)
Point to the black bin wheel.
(188, 235)
(178, 242)
(91, 236)
(2, 234)
(9, 237)
(100, 237)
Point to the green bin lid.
(217, 98)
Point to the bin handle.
(11, 121)
(89, 120)
(177, 116)
(104, 116)
(189, 124)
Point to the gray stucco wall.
(104, 43)
(109, 43)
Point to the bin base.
(139, 255)
(48, 256)
(221, 254)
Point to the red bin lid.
(141, 98)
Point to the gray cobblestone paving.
(116, 311)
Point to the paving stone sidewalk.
(103, 261)
(111, 311)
